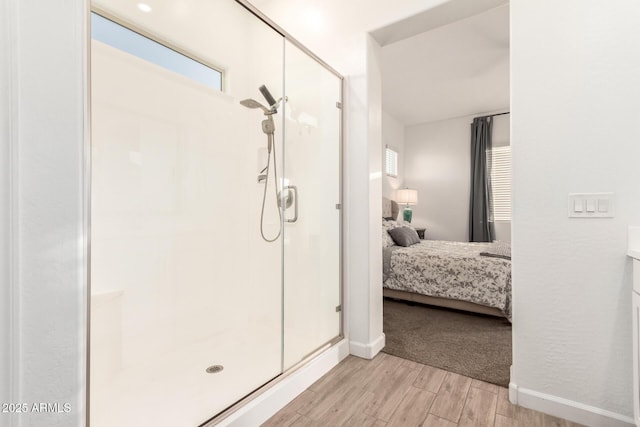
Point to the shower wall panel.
(180, 278)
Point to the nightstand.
(420, 232)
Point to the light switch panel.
(578, 205)
(591, 205)
(603, 205)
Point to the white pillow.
(387, 225)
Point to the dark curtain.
(480, 228)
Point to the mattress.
(453, 270)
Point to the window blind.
(391, 161)
(500, 158)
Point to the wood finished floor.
(389, 391)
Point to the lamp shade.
(407, 196)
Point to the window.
(391, 162)
(500, 158)
(127, 40)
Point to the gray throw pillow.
(404, 236)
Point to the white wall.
(6, 15)
(393, 137)
(438, 158)
(374, 142)
(575, 102)
(46, 62)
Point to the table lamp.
(407, 197)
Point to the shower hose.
(271, 147)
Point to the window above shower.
(155, 51)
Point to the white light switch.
(603, 205)
(591, 205)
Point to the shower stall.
(215, 228)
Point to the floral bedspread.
(453, 270)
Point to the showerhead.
(267, 95)
(252, 103)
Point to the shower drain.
(214, 369)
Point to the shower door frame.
(88, 195)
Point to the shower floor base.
(175, 390)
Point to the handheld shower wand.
(269, 128)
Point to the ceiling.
(453, 70)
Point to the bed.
(473, 277)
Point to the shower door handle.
(295, 201)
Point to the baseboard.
(567, 409)
(277, 397)
(367, 351)
(513, 388)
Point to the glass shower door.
(312, 270)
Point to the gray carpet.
(474, 345)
